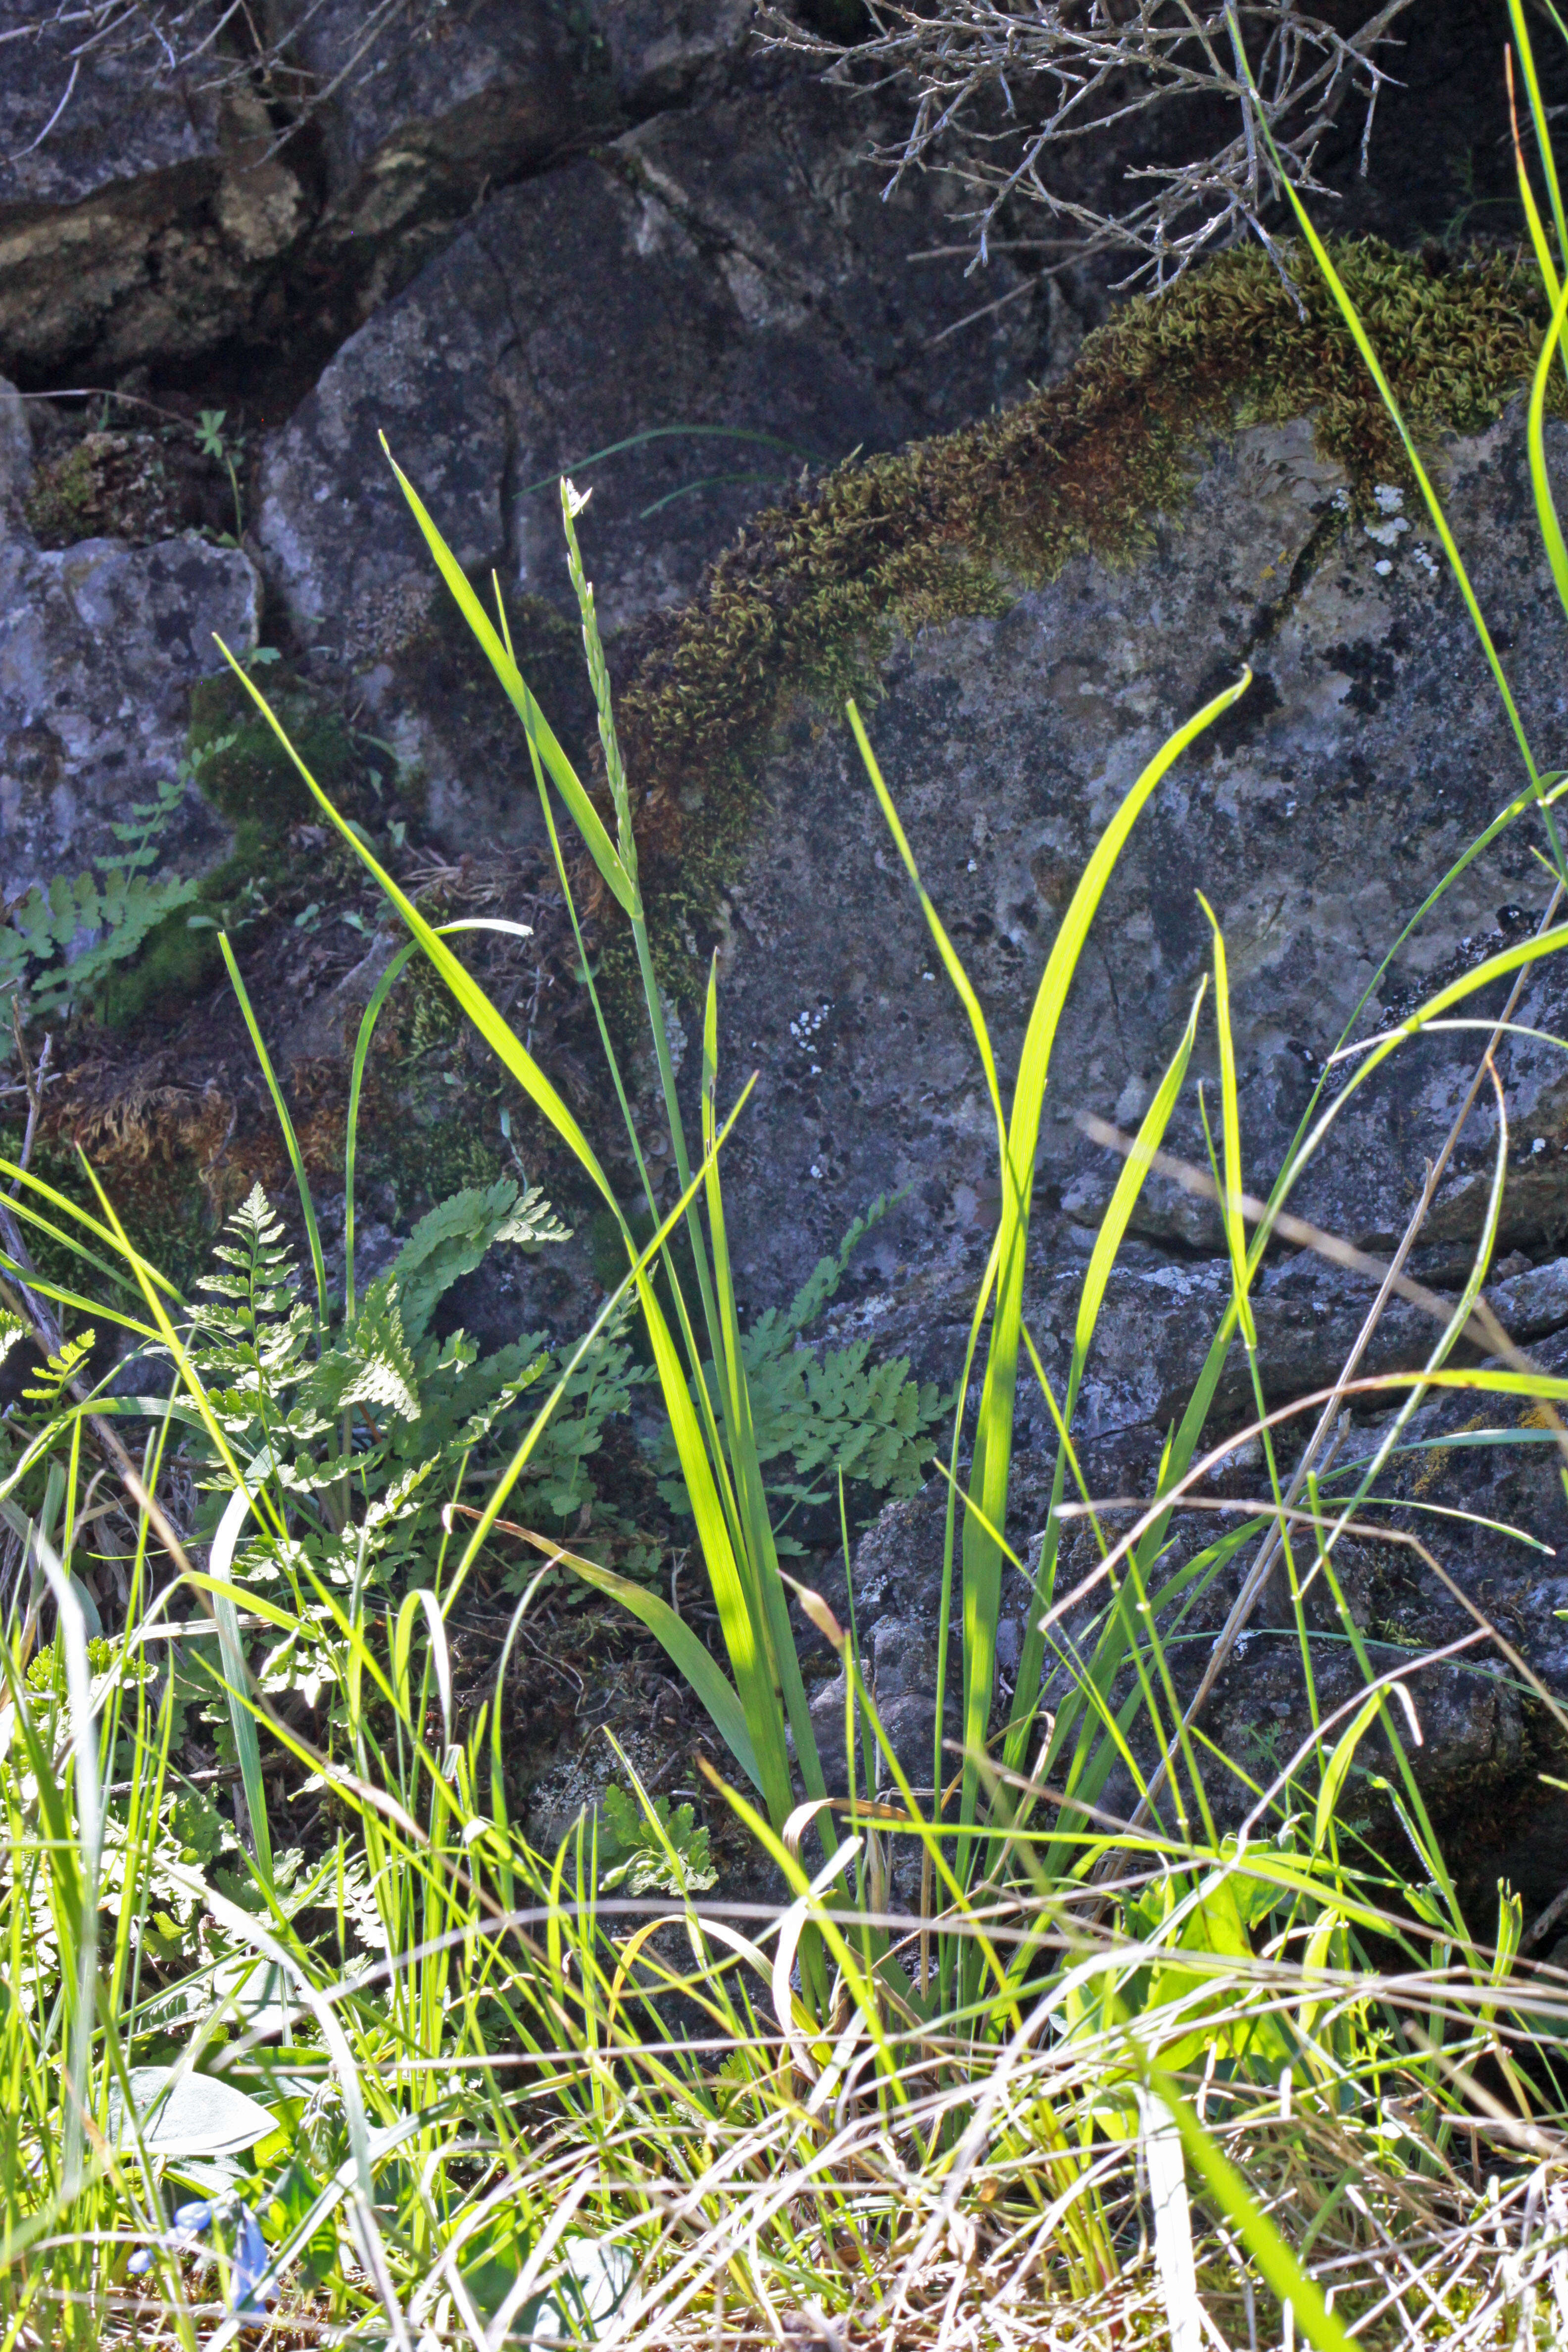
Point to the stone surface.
(152, 219)
(725, 271)
(1369, 752)
(100, 646)
(557, 233)
(446, 106)
(109, 121)
(1485, 1737)
(145, 226)
(157, 220)
(658, 50)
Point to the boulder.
(1369, 748)
(70, 126)
(149, 216)
(139, 212)
(726, 281)
(1029, 610)
(100, 646)
(161, 215)
(444, 107)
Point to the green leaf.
(635, 1858)
(683, 1648)
(454, 1237)
(187, 2115)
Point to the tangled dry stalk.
(202, 48)
(1003, 89)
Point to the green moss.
(807, 598)
(242, 768)
(61, 504)
(177, 964)
(427, 1161)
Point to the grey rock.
(443, 107)
(1532, 1302)
(156, 219)
(158, 240)
(903, 1665)
(728, 270)
(909, 1725)
(659, 49)
(110, 119)
(148, 218)
(898, 1659)
(1483, 1733)
(1369, 750)
(100, 646)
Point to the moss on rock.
(242, 768)
(807, 598)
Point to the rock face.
(530, 236)
(146, 217)
(100, 646)
(1370, 751)
(135, 227)
(725, 281)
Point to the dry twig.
(1002, 89)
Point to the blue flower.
(248, 2261)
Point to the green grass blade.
(368, 1019)
(1230, 1107)
(16, 1176)
(292, 1142)
(1433, 504)
(762, 1560)
(1277, 2263)
(1541, 119)
(236, 1673)
(1124, 1199)
(88, 1844)
(1102, 1258)
(600, 848)
(993, 1434)
(467, 993)
(1527, 951)
(952, 963)
(679, 1644)
(1545, 504)
(764, 1714)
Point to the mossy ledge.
(806, 598)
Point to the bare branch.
(1000, 89)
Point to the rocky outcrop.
(718, 298)
(1010, 718)
(148, 216)
(1369, 752)
(527, 239)
(141, 225)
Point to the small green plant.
(227, 449)
(376, 1405)
(60, 945)
(646, 1849)
(817, 1415)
